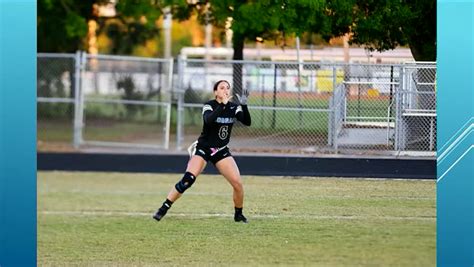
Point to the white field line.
(159, 193)
(214, 215)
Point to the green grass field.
(104, 219)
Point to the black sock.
(238, 211)
(167, 204)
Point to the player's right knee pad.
(185, 183)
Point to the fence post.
(335, 108)
(168, 107)
(300, 69)
(179, 104)
(431, 133)
(330, 121)
(78, 100)
(332, 114)
(398, 110)
(274, 94)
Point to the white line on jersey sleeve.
(238, 109)
(206, 108)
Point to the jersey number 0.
(224, 132)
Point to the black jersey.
(218, 121)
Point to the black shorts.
(212, 154)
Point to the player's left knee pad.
(186, 182)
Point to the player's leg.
(195, 166)
(229, 169)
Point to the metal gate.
(124, 101)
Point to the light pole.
(208, 30)
(228, 34)
(167, 30)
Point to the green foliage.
(50, 111)
(52, 83)
(62, 24)
(378, 25)
(266, 19)
(76, 26)
(384, 25)
(151, 10)
(250, 19)
(134, 25)
(125, 35)
(127, 84)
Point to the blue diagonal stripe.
(456, 143)
(456, 162)
(470, 121)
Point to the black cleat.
(240, 218)
(160, 214)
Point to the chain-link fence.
(308, 107)
(289, 102)
(416, 127)
(103, 100)
(295, 107)
(126, 101)
(57, 77)
(367, 106)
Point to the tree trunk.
(238, 45)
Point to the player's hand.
(226, 99)
(244, 97)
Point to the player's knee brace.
(185, 183)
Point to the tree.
(384, 25)
(62, 24)
(126, 34)
(135, 24)
(267, 19)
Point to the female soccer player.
(219, 116)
